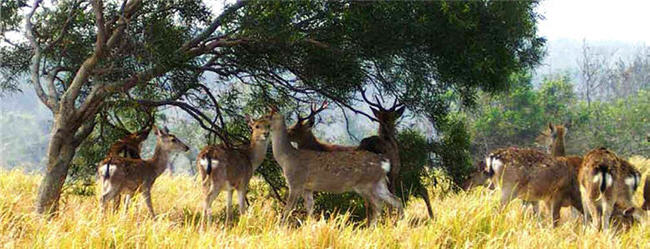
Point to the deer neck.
(280, 144)
(257, 152)
(385, 132)
(159, 160)
(310, 142)
(557, 147)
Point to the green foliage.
(510, 118)
(517, 117)
(452, 150)
(415, 156)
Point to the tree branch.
(36, 58)
(213, 26)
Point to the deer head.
(552, 138)
(301, 131)
(168, 142)
(387, 117)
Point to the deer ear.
(550, 127)
(310, 122)
(166, 130)
(157, 131)
(400, 111)
(249, 120)
(375, 112)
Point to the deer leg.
(228, 205)
(376, 206)
(147, 199)
(607, 212)
(241, 197)
(127, 201)
(116, 202)
(425, 195)
(109, 193)
(507, 194)
(595, 214)
(554, 207)
(291, 203)
(212, 194)
(308, 196)
(385, 195)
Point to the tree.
(81, 56)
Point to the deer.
(307, 171)
(385, 142)
(130, 145)
(301, 133)
(231, 168)
(532, 176)
(553, 138)
(607, 184)
(120, 175)
(477, 177)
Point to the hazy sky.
(593, 20)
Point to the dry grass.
(462, 221)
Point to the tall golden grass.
(462, 220)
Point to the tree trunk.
(61, 150)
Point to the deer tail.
(603, 177)
(208, 168)
(107, 172)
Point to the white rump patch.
(204, 163)
(295, 145)
(598, 178)
(488, 164)
(111, 170)
(385, 165)
(631, 182)
(496, 165)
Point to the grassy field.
(463, 220)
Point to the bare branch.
(36, 58)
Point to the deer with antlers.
(120, 175)
(301, 133)
(231, 168)
(130, 145)
(385, 142)
(307, 171)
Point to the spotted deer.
(301, 133)
(307, 171)
(532, 176)
(607, 182)
(231, 168)
(553, 137)
(120, 175)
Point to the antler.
(314, 111)
(378, 105)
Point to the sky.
(596, 20)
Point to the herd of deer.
(600, 181)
